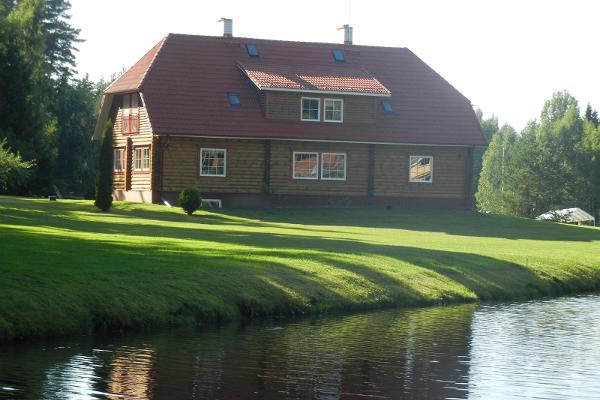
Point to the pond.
(546, 349)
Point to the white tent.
(569, 216)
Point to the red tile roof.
(185, 80)
(318, 78)
(132, 79)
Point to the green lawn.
(67, 268)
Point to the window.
(338, 55)
(334, 110)
(130, 114)
(213, 162)
(119, 160)
(387, 106)
(234, 99)
(311, 109)
(252, 50)
(141, 159)
(421, 169)
(306, 165)
(333, 166)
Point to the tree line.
(46, 113)
(553, 163)
(47, 116)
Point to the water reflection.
(539, 349)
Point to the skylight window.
(387, 106)
(252, 50)
(338, 55)
(234, 99)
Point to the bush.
(104, 182)
(13, 170)
(190, 200)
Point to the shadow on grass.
(75, 282)
(325, 220)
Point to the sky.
(506, 56)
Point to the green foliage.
(190, 200)
(75, 107)
(13, 170)
(104, 178)
(252, 263)
(551, 165)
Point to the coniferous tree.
(104, 181)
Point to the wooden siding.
(244, 168)
(286, 106)
(357, 162)
(132, 180)
(392, 167)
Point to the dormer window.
(252, 50)
(338, 55)
(311, 109)
(334, 110)
(130, 117)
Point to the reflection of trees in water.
(421, 353)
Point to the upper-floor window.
(387, 106)
(234, 99)
(310, 109)
(252, 50)
(333, 166)
(421, 169)
(334, 110)
(213, 162)
(305, 165)
(119, 160)
(141, 159)
(338, 55)
(130, 119)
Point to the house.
(251, 121)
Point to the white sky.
(506, 56)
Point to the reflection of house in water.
(391, 354)
(130, 373)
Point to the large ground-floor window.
(305, 165)
(213, 162)
(141, 159)
(421, 169)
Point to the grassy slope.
(66, 267)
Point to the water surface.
(548, 349)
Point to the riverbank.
(66, 268)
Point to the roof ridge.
(342, 45)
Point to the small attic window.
(234, 99)
(338, 55)
(252, 50)
(387, 106)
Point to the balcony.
(130, 124)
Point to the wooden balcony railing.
(130, 124)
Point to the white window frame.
(345, 165)
(410, 163)
(294, 165)
(341, 101)
(122, 159)
(202, 150)
(302, 109)
(142, 158)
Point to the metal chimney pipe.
(227, 27)
(347, 34)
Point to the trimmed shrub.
(190, 200)
(104, 178)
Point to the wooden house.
(251, 122)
